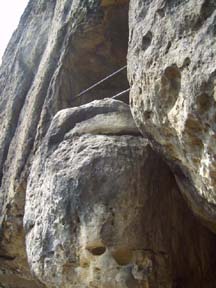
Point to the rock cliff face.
(86, 201)
(172, 75)
(59, 48)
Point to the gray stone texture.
(86, 201)
(59, 48)
(172, 70)
(103, 210)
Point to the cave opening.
(100, 48)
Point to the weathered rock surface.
(60, 48)
(172, 72)
(103, 210)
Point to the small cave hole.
(85, 265)
(96, 269)
(122, 256)
(140, 90)
(146, 40)
(97, 251)
(186, 62)
(147, 115)
(161, 12)
(169, 44)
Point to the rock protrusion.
(172, 92)
(103, 210)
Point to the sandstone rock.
(103, 210)
(172, 75)
(60, 48)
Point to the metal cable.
(121, 93)
(101, 81)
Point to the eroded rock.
(60, 48)
(172, 74)
(103, 210)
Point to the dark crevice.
(99, 52)
(97, 251)
(146, 40)
(7, 258)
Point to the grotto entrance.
(100, 48)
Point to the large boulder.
(172, 72)
(104, 211)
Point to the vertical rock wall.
(171, 64)
(42, 70)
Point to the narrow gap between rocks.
(100, 50)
